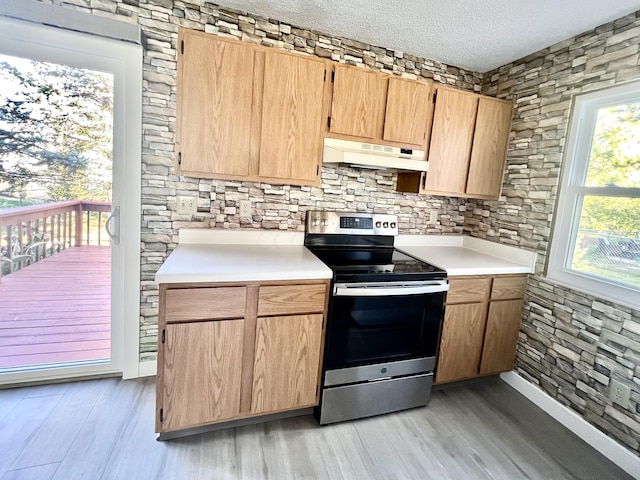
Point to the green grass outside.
(591, 260)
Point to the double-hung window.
(595, 245)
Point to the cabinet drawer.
(508, 288)
(291, 299)
(183, 305)
(467, 290)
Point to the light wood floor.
(103, 429)
(57, 310)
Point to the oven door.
(383, 322)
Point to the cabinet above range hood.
(367, 155)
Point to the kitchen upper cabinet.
(489, 149)
(379, 108)
(467, 147)
(215, 90)
(247, 112)
(358, 102)
(292, 126)
(227, 352)
(407, 114)
(454, 119)
(480, 326)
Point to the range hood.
(368, 155)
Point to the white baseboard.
(147, 369)
(611, 449)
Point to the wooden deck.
(57, 310)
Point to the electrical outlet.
(433, 217)
(245, 208)
(187, 205)
(619, 393)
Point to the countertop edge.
(207, 278)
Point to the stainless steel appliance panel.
(374, 398)
(365, 373)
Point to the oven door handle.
(341, 291)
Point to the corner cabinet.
(480, 327)
(379, 108)
(232, 351)
(246, 112)
(467, 148)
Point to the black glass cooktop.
(374, 264)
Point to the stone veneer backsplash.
(280, 207)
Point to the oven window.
(366, 330)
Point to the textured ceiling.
(471, 34)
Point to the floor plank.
(53, 440)
(57, 310)
(21, 424)
(40, 472)
(479, 431)
(102, 431)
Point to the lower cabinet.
(216, 368)
(286, 360)
(480, 327)
(501, 337)
(202, 373)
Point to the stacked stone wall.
(571, 344)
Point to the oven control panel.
(352, 223)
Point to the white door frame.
(124, 61)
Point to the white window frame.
(572, 191)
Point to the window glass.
(615, 150)
(607, 243)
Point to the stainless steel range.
(384, 318)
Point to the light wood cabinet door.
(489, 150)
(202, 373)
(359, 99)
(451, 136)
(215, 85)
(407, 111)
(286, 362)
(461, 342)
(292, 127)
(501, 338)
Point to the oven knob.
(324, 223)
(393, 224)
(385, 224)
(378, 224)
(383, 370)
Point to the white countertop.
(463, 255)
(264, 255)
(240, 256)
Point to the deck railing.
(29, 234)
